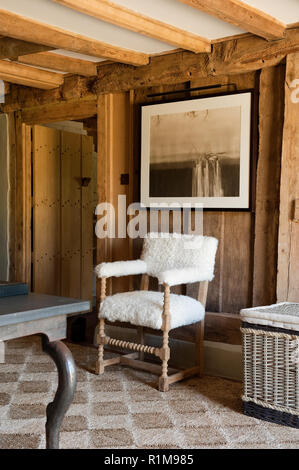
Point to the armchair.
(174, 260)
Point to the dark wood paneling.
(271, 117)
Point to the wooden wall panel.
(214, 224)
(121, 166)
(46, 207)
(12, 195)
(104, 169)
(114, 127)
(271, 112)
(70, 214)
(87, 208)
(288, 245)
(22, 201)
(27, 205)
(232, 229)
(237, 262)
(246, 257)
(293, 291)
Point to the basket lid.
(281, 315)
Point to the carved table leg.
(56, 410)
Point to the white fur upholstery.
(144, 308)
(164, 252)
(121, 268)
(175, 277)
(172, 258)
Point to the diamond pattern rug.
(122, 409)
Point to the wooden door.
(63, 207)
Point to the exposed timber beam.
(29, 76)
(228, 58)
(18, 27)
(64, 111)
(242, 15)
(134, 21)
(11, 48)
(60, 62)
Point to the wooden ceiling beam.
(11, 48)
(134, 21)
(228, 58)
(242, 15)
(242, 55)
(26, 29)
(60, 62)
(29, 76)
(60, 112)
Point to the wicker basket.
(271, 371)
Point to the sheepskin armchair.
(173, 259)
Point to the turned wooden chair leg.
(199, 346)
(163, 379)
(140, 340)
(165, 351)
(101, 334)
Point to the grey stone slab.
(23, 308)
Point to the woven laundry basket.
(271, 363)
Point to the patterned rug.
(122, 409)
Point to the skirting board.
(221, 360)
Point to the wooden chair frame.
(136, 359)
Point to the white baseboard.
(221, 360)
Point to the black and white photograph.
(197, 151)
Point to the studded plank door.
(63, 206)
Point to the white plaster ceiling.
(170, 11)
(182, 16)
(76, 55)
(286, 11)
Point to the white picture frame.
(192, 142)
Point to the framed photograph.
(197, 152)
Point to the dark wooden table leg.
(56, 410)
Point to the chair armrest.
(121, 268)
(175, 277)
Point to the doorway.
(64, 195)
